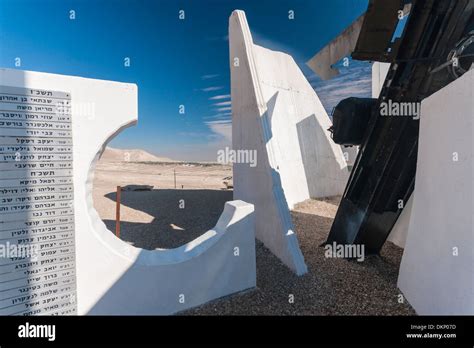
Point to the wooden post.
(174, 171)
(117, 211)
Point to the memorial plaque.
(37, 235)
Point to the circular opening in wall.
(163, 203)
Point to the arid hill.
(134, 155)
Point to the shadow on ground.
(331, 286)
(173, 225)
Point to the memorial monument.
(276, 112)
(53, 129)
(436, 272)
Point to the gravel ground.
(168, 225)
(331, 286)
(153, 219)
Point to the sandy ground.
(157, 219)
(154, 219)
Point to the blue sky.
(174, 62)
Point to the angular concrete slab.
(322, 63)
(379, 74)
(437, 270)
(276, 113)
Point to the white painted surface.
(276, 112)
(432, 279)
(350, 155)
(399, 232)
(112, 276)
(379, 73)
(209, 267)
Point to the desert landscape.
(154, 219)
(157, 219)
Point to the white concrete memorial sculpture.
(437, 270)
(53, 129)
(276, 113)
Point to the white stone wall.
(399, 232)
(114, 277)
(276, 112)
(437, 270)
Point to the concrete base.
(114, 277)
(437, 270)
(216, 264)
(276, 113)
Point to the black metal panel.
(377, 30)
(384, 171)
(350, 119)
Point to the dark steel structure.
(349, 120)
(421, 64)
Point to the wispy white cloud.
(313, 77)
(209, 76)
(211, 89)
(228, 108)
(353, 81)
(219, 97)
(220, 116)
(217, 138)
(195, 134)
(223, 128)
(224, 103)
